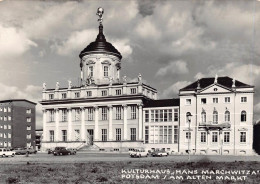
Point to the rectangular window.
(104, 134)
(133, 134)
(51, 96)
(160, 134)
(1, 109)
(51, 135)
(5, 126)
(152, 115)
(226, 137)
(156, 115)
(203, 101)
(242, 137)
(104, 92)
(51, 115)
(104, 113)
(243, 99)
(203, 137)
(90, 71)
(29, 128)
(9, 109)
(146, 133)
(28, 119)
(133, 112)
(5, 118)
(5, 109)
(215, 100)
(9, 118)
(9, 127)
(64, 115)
(77, 134)
(170, 135)
(118, 134)
(118, 91)
(214, 137)
(227, 99)
(28, 136)
(170, 115)
(90, 114)
(161, 115)
(64, 95)
(175, 135)
(77, 94)
(64, 135)
(176, 115)
(9, 135)
(77, 115)
(1, 118)
(146, 116)
(118, 112)
(133, 91)
(165, 115)
(188, 101)
(28, 111)
(105, 71)
(89, 93)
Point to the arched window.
(203, 117)
(215, 116)
(243, 116)
(227, 116)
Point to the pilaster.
(69, 124)
(110, 131)
(125, 121)
(83, 131)
(96, 123)
(56, 134)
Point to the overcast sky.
(171, 43)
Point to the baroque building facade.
(106, 112)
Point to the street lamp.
(189, 121)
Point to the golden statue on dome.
(100, 12)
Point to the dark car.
(50, 151)
(61, 151)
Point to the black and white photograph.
(129, 91)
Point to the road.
(83, 157)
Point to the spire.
(100, 36)
(233, 83)
(216, 79)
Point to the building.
(17, 123)
(38, 138)
(211, 115)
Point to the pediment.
(215, 88)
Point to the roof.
(224, 81)
(162, 103)
(15, 100)
(100, 46)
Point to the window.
(77, 134)
(1, 109)
(9, 127)
(215, 89)
(242, 137)
(64, 135)
(29, 128)
(51, 96)
(51, 135)
(9, 118)
(133, 112)
(243, 99)
(28, 119)
(28, 111)
(156, 115)
(104, 92)
(214, 137)
(175, 135)
(215, 100)
(5, 126)
(118, 134)
(188, 101)
(5, 109)
(188, 136)
(203, 101)
(146, 133)
(5, 118)
(9, 109)
(133, 91)
(243, 116)
(146, 119)
(51, 115)
(90, 114)
(1, 118)
(226, 137)
(118, 112)
(9, 135)
(215, 117)
(203, 117)
(118, 91)
(89, 93)
(133, 134)
(176, 115)
(104, 134)
(104, 113)
(64, 95)
(161, 115)
(77, 95)
(203, 137)
(227, 116)
(64, 115)
(90, 71)
(227, 99)
(28, 144)
(152, 115)
(77, 115)
(28, 136)
(105, 71)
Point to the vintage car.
(5, 152)
(61, 151)
(138, 152)
(159, 153)
(23, 151)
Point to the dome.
(100, 46)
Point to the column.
(125, 121)
(44, 125)
(140, 122)
(110, 131)
(96, 124)
(83, 131)
(56, 134)
(69, 124)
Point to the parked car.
(5, 152)
(159, 153)
(138, 152)
(73, 151)
(61, 151)
(23, 151)
(31, 150)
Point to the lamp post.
(189, 121)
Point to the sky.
(171, 43)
